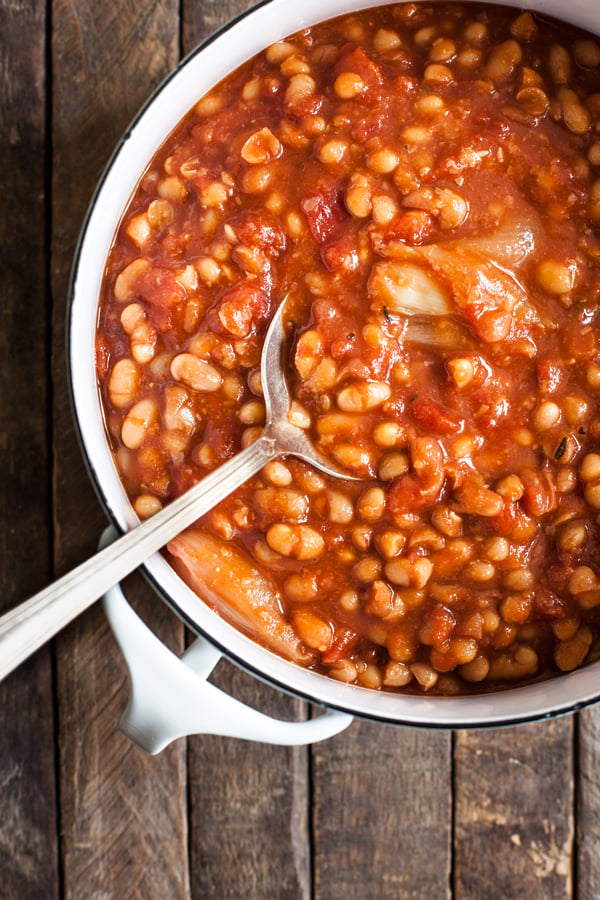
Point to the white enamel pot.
(171, 697)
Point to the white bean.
(196, 373)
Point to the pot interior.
(204, 68)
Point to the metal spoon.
(28, 626)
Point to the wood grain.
(123, 814)
(514, 812)
(377, 812)
(28, 842)
(382, 814)
(200, 20)
(587, 858)
(249, 832)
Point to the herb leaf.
(560, 450)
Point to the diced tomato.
(163, 294)
(341, 254)
(434, 418)
(412, 227)
(258, 230)
(371, 124)
(506, 520)
(324, 212)
(491, 414)
(242, 309)
(405, 86)
(481, 371)
(301, 105)
(439, 625)
(485, 292)
(550, 375)
(406, 494)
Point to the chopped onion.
(407, 289)
(441, 332)
(508, 246)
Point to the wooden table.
(377, 812)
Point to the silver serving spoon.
(28, 626)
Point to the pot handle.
(171, 697)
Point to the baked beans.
(423, 183)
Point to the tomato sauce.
(422, 183)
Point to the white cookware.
(172, 697)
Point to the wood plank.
(249, 834)
(588, 805)
(124, 819)
(200, 20)
(123, 814)
(514, 812)
(382, 814)
(28, 838)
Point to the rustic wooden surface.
(377, 812)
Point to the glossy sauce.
(423, 183)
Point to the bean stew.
(422, 181)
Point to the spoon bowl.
(286, 437)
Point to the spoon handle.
(28, 626)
